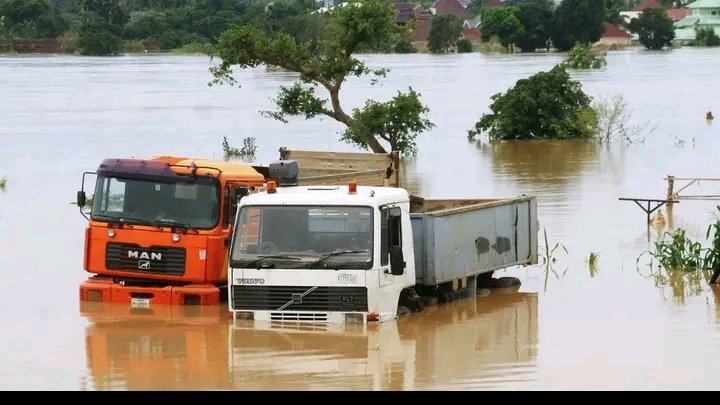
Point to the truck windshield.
(191, 204)
(309, 237)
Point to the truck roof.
(328, 195)
(230, 170)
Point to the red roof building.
(647, 4)
(451, 7)
(611, 30)
(677, 14)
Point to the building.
(705, 13)
(627, 16)
(404, 12)
(614, 37)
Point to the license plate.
(140, 302)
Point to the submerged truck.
(159, 228)
(358, 254)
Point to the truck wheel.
(410, 300)
(485, 280)
(403, 310)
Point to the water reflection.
(483, 343)
(541, 162)
(472, 343)
(165, 348)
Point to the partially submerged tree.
(577, 21)
(547, 105)
(654, 28)
(503, 23)
(445, 30)
(245, 153)
(327, 63)
(581, 56)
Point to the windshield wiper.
(169, 223)
(259, 260)
(333, 254)
(117, 220)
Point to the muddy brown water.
(566, 327)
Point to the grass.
(592, 262)
(677, 252)
(549, 258)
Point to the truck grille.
(272, 298)
(155, 259)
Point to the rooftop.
(704, 4)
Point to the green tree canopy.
(654, 28)
(536, 16)
(706, 36)
(503, 23)
(578, 21)
(547, 105)
(32, 19)
(328, 63)
(445, 30)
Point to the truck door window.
(229, 201)
(390, 232)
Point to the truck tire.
(403, 310)
(410, 300)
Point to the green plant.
(404, 46)
(592, 262)
(246, 152)
(548, 257)
(581, 56)
(705, 36)
(464, 46)
(547, 105)
(676, 251)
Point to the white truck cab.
(321, 254)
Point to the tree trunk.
(341, 116)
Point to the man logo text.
(134, 254)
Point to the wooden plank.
(366, 178)
(315, 161)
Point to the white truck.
(349, 254)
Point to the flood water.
(565, 328)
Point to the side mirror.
(397, 262)
(81, 199)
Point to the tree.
(445, 29)
(536, 16)
(328, 63)
(503, 23)
(581, 56)
(547, 105)
(32, 19)
(3, 184)
(578, 21)
(705, 36)
(654, 28)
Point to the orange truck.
(159, 228)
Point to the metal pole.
(671, 186)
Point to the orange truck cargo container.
(159, 228)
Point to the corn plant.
(592, 262)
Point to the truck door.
(390, 235)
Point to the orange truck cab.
(159, 228)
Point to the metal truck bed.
(454, 239)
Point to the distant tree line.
(105, 27)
